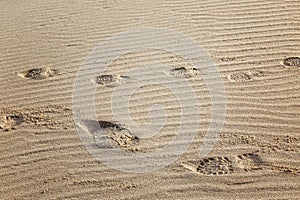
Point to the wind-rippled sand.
(255, 45)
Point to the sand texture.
(255, 46)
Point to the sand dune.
(255, 46)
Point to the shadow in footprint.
(10, 122)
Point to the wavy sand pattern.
(255, 45)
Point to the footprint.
(10, 122)
(47, 116)
(119, 135)
(249, 162)
(109, 80)
(239, 77)
(246, 76)
(215, 166)
(257, 74)
(179, 72)
(184, 72)
(38, 73)
(211, 166)
(226, 165)
(292, 62)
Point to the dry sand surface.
(255, 46)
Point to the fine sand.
(255, 46)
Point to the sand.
(254, 45)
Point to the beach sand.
(254, 45)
